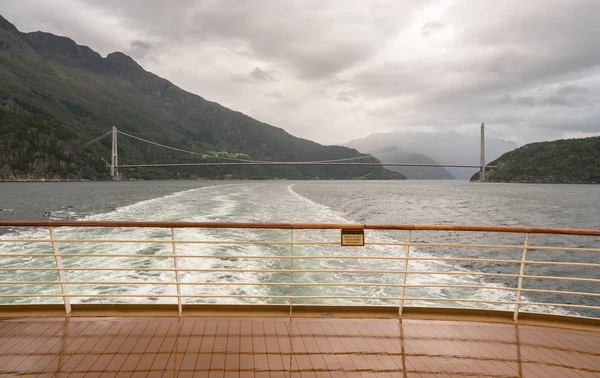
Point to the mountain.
(56, 95)
(575, 161)
(393, 154)
(445, 148)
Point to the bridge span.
(229, 161)
(301, 163)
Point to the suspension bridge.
(138, 152)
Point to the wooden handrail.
(300, 226)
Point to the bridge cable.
(98, 138)
(224, 158)
(368, 156)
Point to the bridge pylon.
(482, 159)
(114, 163)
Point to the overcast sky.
(337, 70)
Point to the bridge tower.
(114, 164)
(482, 160)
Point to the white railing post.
(61, 273)
(176, 266)
(521, 273)
(291, 269)
(405, 271)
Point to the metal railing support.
(388, 290)
(61, 273)
(291, 270)
(176, 267)
(405, 275)
(521, 274)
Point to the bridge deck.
(272, 347)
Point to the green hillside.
(559, 161)
(56, 95)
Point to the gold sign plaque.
(353, 238)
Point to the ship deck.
(290, 347)
(73, 305)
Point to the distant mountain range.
(565, 161)
(395, 155)
(56, 95)
(443, 148)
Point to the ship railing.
(400, 264)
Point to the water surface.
(404, 202)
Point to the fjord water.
(418, 202)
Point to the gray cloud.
(312, 37)
(431, 27)
(494, 67)
(344, 96)
(531, 68)
(257, 75)
(262, 74)
(139, 49)
(276, 95)
(141, 45)
(243, 79)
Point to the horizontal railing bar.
(574, 249)
(87, 282)
(287, 257)
(299, 226)
(452, 273)
(488, 246)
(256, 297)
(456, 300)
(281, 257)
(191, 283)
(182, 256)
(464, 273)
(234, 242)
(25, 240)
(192, 296)
(500, 302)
(561, 292)
(562, 278)
(424, 299)
(93, 269)
(271, 271)
(562, 263)
(235, 296)
(460, 259)
(559, 305)
(466, 245)
(87, 296)
(483, 287)
(216, 270)
(157, 241)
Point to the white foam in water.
(244, 202)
